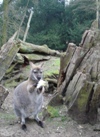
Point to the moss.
(82, 100)
(10, 84)
(65, 118)
(10, 69)
(53, 112)
(7, 116)
(84, 95)
(52, 67)
(50, 73)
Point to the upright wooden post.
(28, 26)
(97, 14)
(5, 21)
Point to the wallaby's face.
(36, 72)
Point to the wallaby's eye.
(34, 71)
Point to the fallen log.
(31, 48)
(52, 80)
(7, 53)
(20, 58)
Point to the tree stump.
(79, 78)
(7, 54)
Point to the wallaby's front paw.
(24, 127)
(40, 123)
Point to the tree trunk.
(28, 26)
(32, 48)
(79, 78)
(5, 22)
(7, 54)
(97, 13)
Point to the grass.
(53, 112)
(52, 67)
(7, 116)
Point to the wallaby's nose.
(38, 78)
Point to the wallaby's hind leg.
(21, 118)
(23, 125)
(40, 123)
(18, 113)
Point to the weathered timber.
(20, 58)
(79, 79)
(76, 55)
(31, 48)
(3, 94)
(64, 62)
(84, 104)
(7, 54)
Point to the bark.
(31, 48)
(20, 58)
(5, 21)
(28, 26)
(79, 78)
(7, 54)
(64, 62)
(3, 94)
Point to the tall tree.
(79, 16)
(52, 23)
(5, 21)
(97, 13)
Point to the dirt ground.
(58, 126)
(61, 126)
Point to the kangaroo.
(28, 98)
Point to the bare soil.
(61, 126)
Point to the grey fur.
(27, 101)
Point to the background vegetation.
(53, 23)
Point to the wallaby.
(28, 98)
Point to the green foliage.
(53, 112)
(52, 23)
(46, 23)
(53, 65)
(78, 17)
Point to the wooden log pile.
(14, 59)
(7, 54)
(78, 85)
(79, 78)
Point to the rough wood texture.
(7, 54)
(31, 48)
(79, 78)
(3, 94)
(64, 62)
(84, 104)
(31, 57)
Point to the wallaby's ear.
(32, 65)
(40, 66)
